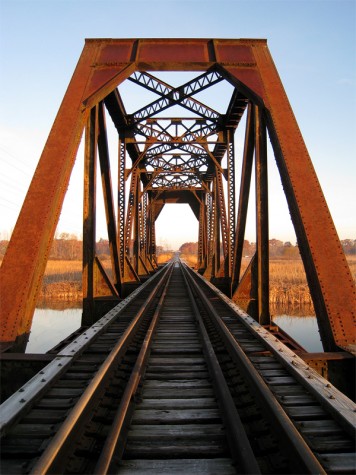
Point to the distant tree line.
(67, 246)
(276, 248)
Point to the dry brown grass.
(63, 271)
(190, 259)
(164, 257)
(287, 272)
(62, 281)
(288, 284)
(62, 267)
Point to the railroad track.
(177, 379)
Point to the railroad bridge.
(177, 370)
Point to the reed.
(288, 284)
(62, 281)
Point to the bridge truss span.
(177, 147)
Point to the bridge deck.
(177, 379)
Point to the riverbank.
(288, 284)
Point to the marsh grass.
(62, 281)
(288, 284)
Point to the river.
(52, 325)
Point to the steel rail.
(238, 441)
(289, 437)
(25, 397)
(342, 409)
(49, 460)
(103, 465)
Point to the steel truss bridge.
(187, 156)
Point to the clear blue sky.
(313, 44)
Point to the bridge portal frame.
(247, 65)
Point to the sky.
(312, 42)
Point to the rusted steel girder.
(248, 66)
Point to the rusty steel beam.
(89, 215)
(121, 207)
(108, 194)
(246, 173)
(231, 204)
(262, 235)
(329, 277)
(26, 257)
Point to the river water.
(52, 325)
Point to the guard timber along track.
(177, 379)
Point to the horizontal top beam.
(184, 53)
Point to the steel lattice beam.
(182, 96)
(163, 89)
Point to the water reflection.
(304, 330)
(52, 325)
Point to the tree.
(189, 248)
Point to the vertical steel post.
(223, 225)
(149, 229)
(246, 172)
(144, 223)
(153, 237)
(231, 200)
(89, 215)
(210, 226)
(202, 244)
(136, 226)
(262, 218)
(130, 216)
(209, 218)
(216, 227)
(108, 194)
(121, 206)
